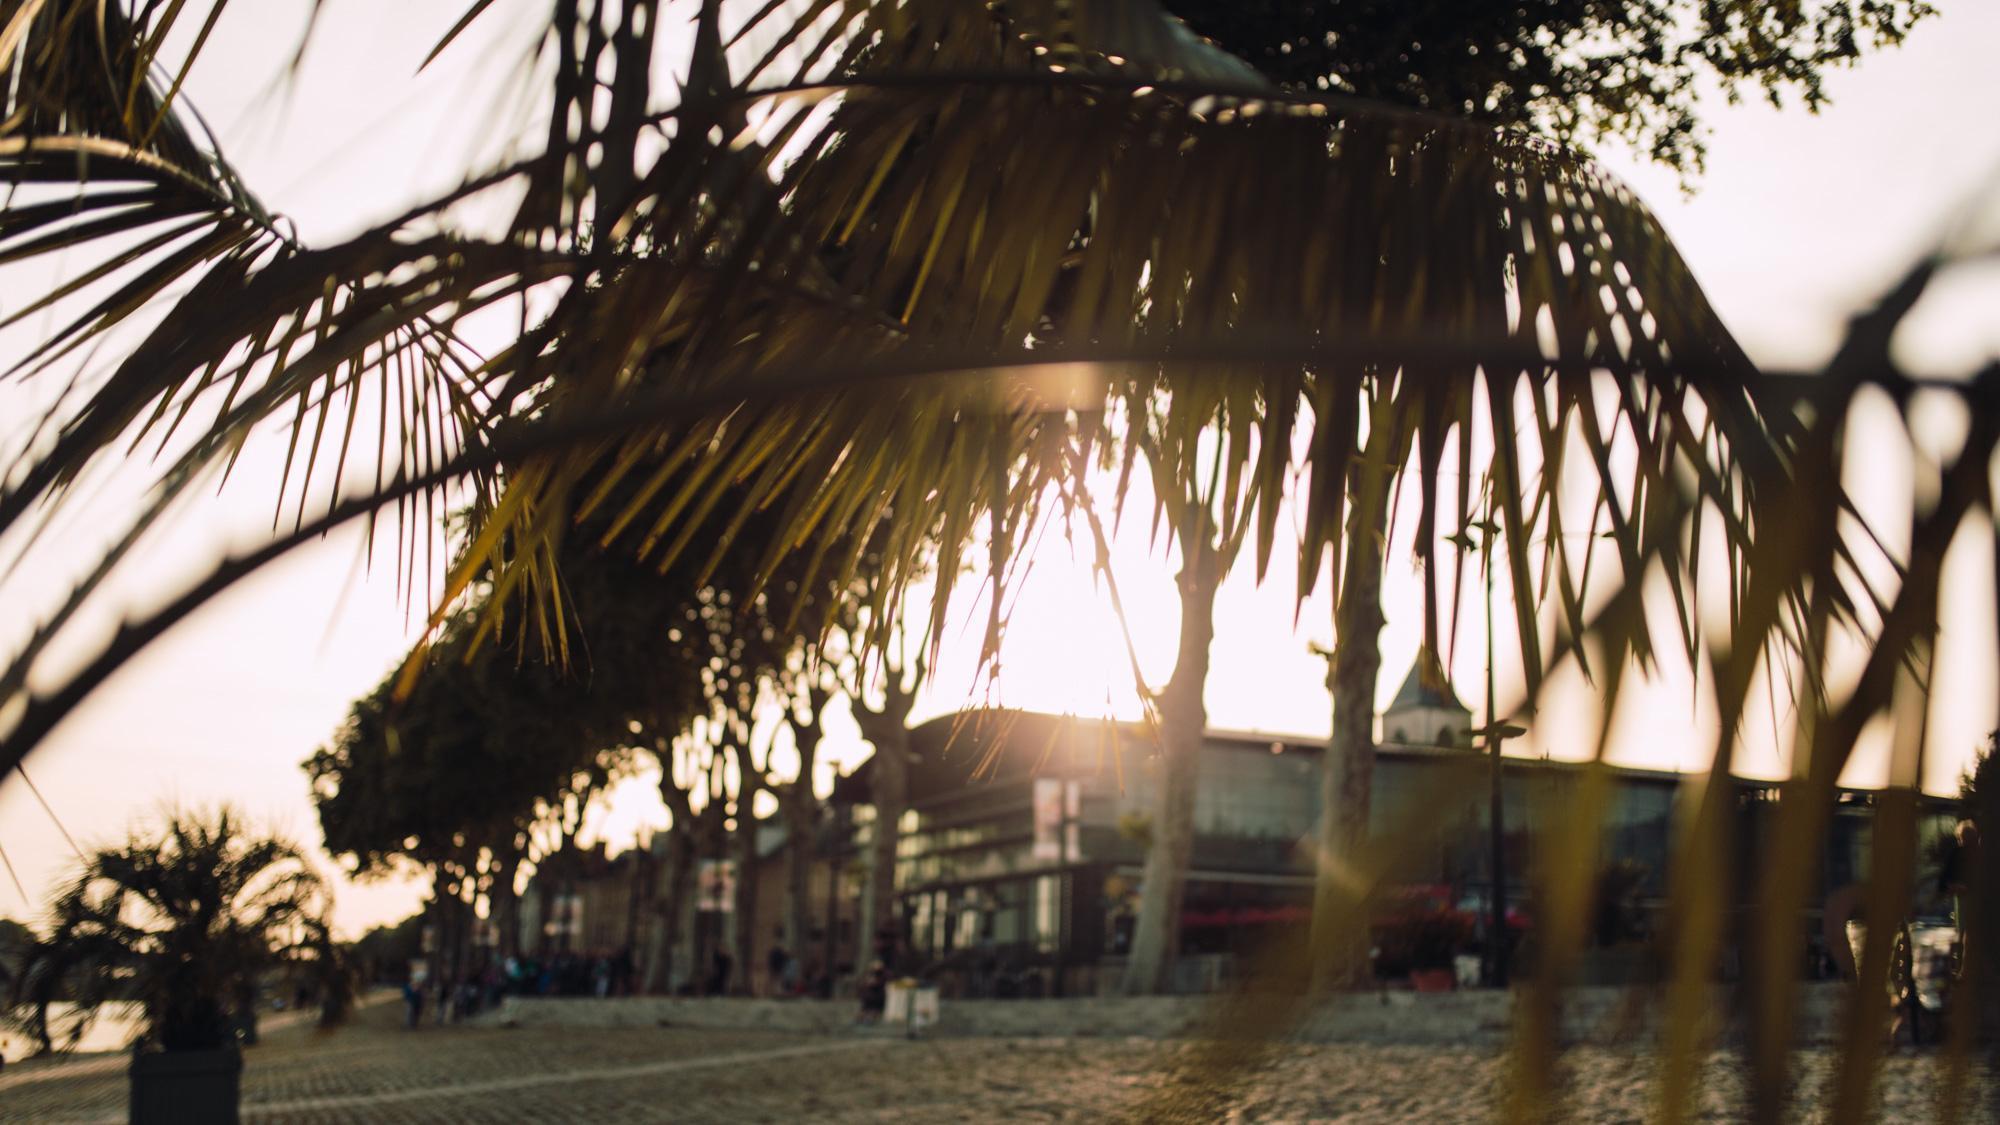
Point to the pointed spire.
(1426, 687)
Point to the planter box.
(186, 1087)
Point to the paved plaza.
(373, 1071)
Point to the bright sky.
(1798, 221)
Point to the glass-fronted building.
(1022, 856)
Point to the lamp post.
(1494, 736)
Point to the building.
(833, 888)
(586, 901)
(1425, 712)
(589, 903)
(1022, 855)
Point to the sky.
(1798, 221)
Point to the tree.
(843, 301)
(1623, 71)
(1630, 70)
(384, 953)
(693, 831)
(837, 270)
(1209, 528)
(185, 921)
(886, 727)
(35, 981)
(1973, 881)
(800, 807)
(456, 774)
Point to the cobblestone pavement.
(373, 1071)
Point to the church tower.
(1425, 711)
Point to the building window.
(1048, 913)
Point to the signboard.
(715, 886)
(1048, 804)
(1058, 805)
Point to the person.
(874, 992)
(1906, 1005)
(718, 974)
(788, 977)
(774, 965)
(623, 970)
(413, 997)
(1954, 879)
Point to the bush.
(187, 923)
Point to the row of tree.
(891, 278)
(1412, 221)
(478, 759)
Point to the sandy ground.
(373, 1071)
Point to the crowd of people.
(600, 973)
(449, 999)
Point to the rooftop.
(1426, 687)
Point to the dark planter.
(186, 1087)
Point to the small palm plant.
(185, 923)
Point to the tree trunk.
(1347, 776)
(798, 873)
(801, 810)
(889, 784)
(670, 906)
(440, 911)
(711, 843)
(746, 898)
(506, 903)
(1156, 936)
(889, 788)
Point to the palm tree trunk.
(1156, 936)
(1347, 776)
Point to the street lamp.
(1493, 736)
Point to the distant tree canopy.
(16, 939)
(1579, 70)
(1981, 783)
(386, 951)
(476, 748)
(495, 731)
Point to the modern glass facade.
(1021, 860)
